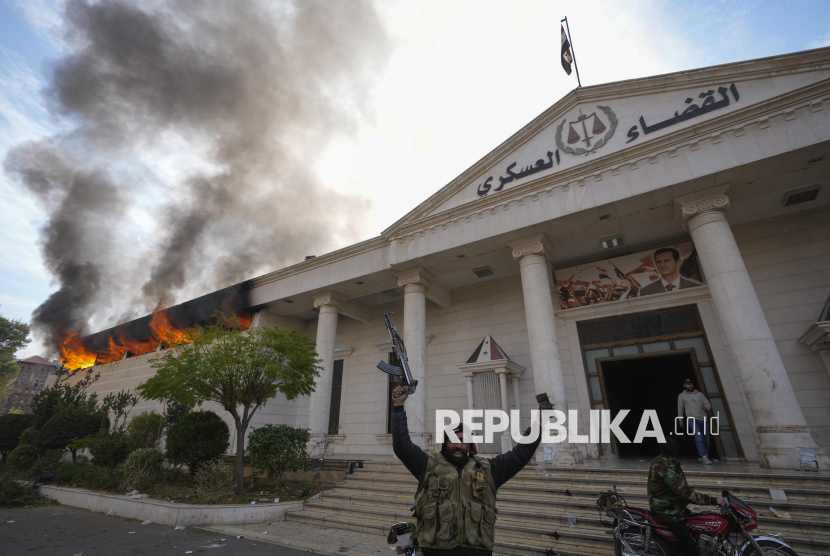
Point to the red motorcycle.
(638, 533)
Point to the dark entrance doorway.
(644, 383)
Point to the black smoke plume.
(256, 89)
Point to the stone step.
(815, 512)
(518, 538)
(805, 480)
(533, 509)
(720, 470)
(508, 541)
(800, 510)
(591, 487)
(548, 517)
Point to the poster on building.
(666, 269)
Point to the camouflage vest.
(453, 512)
(669, 493)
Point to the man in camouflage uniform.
(669, 494)
(456, 498)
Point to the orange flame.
(73, 353)
(164, 332)
(245, 320)
(114, 349)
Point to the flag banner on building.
(567, 58)
(667, 269)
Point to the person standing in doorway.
(695, 405)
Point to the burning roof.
(163, 326)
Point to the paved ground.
(313, 538)
(65, 531)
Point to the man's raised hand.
(399, 395)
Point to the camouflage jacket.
(669, 493)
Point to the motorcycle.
(638, 533)
(403, 533)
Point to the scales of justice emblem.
(578, 131)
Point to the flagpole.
(573, 50)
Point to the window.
(677, 321)
(336, 391)
(391, 383)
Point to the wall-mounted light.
(611, 242)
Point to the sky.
(440, 84)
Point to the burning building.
(161, 329)
(686, 239)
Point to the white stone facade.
(718, 179)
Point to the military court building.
(633, 235)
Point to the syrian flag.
(567, 59)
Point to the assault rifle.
(403, 373)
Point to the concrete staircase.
(534, 508)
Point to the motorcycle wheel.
(771, 548)
(636, 539)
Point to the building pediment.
(596, 128)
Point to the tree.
(61, 395)
(14, 335)
(11, 427)
(70, 425)
(119, 405)
(240, 370)
(199, 437)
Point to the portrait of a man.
(667, 263)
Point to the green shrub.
(214, 480)
(96, 478)
(144, 431)
(146, 484)
(15, 494)
(11, 427)
(66, 474)
(22, 457)
(109, 448)
(173, 413)
(50, 460)
(29, 436)
(69, 425)
(142, 464)
(275, 449)
(198, 437)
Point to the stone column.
(470, 397)
(415, 283)
(533, 257)
(825, 357)
(516, 399)
(781, 426)
(506, 440)
(320, 402)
